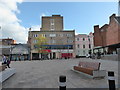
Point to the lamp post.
(30, 44)
(51, 48)
(10, 52)
(89, 45)
(60, 47)
(9, 43)
(68, 47)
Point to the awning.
(45, 51)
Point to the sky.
(18, 16)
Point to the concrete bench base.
(96, 74)
(99, 74)
(6, 74)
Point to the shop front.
(20, 52)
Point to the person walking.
(8, 62)
(4, 61)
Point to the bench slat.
(92, 65)
(84, 70)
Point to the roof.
(20, 49)
(6, 51)
(55, 31)
(82, 35)
(118, 19)
(52, 16)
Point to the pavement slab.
(45, 74)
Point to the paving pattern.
(45, 74)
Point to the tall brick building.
(61, 43)
(107, 37)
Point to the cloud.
(76, 33)
(35, 28)
(43, 14)
(10, 24)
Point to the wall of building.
(57, 36)
(97, 36)
(112, 32)
(108, 34)
(55, 21)
(60, 38)
(80, 43)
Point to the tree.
(40, 45)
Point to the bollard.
(62, 80)
(111, 80)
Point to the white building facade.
(84, 44)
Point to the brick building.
(5, 45)
(7, 41)
(61, 43)
(83, 43)
(107, 37)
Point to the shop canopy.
(45, 51)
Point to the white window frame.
(53, 41)
(44, 35)
(52, 35)
(78, 39)
(61, 35)
(52, 27)
(35, 35)
(34, 41)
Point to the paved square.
(45, 74)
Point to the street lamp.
(51, 48)
(68, 47)
(9, 43)
(30, 43)
(89, 45)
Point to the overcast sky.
(17, 16)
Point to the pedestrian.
(8, 62)
(4, 61)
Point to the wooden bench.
(3, 67)
(90, 68)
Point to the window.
(35, 35)
(52, 35)
(69, 35)
(78, 46)
(53, 41)
(83, 52)
(34, 41)
(52, 28)
(44, 35)
(61, 35)
(59, 46)
(52, 21)
(83, 46)
(52, 24)
(83, 39)
(89, 46)
(88, 39)
(77, 39)
(69, 41)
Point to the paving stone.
(45, 74)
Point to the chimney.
(55, 15)
(112, 16)
(96, 28)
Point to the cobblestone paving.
(45, 74)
